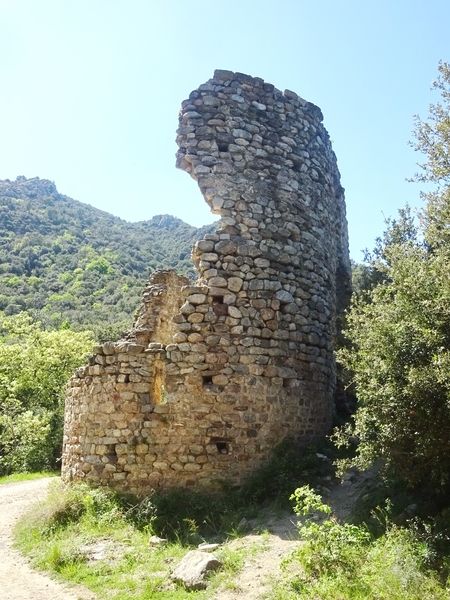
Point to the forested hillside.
(68, 263)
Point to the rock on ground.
(192, 569)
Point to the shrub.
(340, 561)
(399, 332)
(399, 355)
(34, 368)
(329, 546)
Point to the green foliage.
(24, 440)
(398, 332)
(67, 505)
(332, 547)
(190, 516)
(288, 466)
(307, 502)
(16, 477)
(363, 278)
(402, 231)
(400, 358)
(34, 367)
(338, 562)
(329, 545)
(67, 262)
(432, 138)
(143, 514)
(341, 560)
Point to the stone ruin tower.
(214, 374)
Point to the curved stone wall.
(214, 375)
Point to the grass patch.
(64, 534)
(289, 466)
(75, 525)
(15, 477)
(100, 539)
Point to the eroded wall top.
(214, 375)
(264, 162)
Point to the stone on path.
(193, 568)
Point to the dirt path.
(17, 580)
(261, 568)
(265, 554)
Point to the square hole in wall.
(222, 444)
(222, 147)
(207, 380)
(220, 309)
(223, 447)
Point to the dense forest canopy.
(72, 265)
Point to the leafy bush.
(329, 546)
(399, 332)
(25, 441)
(307, 502)
(400, 360)
(342, 561)
(34, 368)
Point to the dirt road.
(17, 580)
(254, 581)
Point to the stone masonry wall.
(214, 375)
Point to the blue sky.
(91, 91)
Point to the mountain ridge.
(20, 187)
(71, 264)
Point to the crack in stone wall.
(214, 375)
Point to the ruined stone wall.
(214, 375)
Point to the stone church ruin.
(214, 374)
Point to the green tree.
(34, 368)
(399, 333)
(375, 269)
(432, 139)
